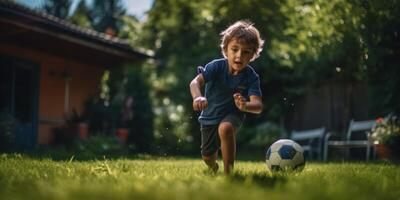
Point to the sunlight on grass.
(176, 178)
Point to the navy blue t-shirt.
(220, 87)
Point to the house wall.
(83, 82)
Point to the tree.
(381, 38)
(58, 8)
(141, 124)
(107, 14)
(81, 15)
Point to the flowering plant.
(385, 130)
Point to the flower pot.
(122, 134)
(82, 129)
(382, 151)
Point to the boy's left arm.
(253, 106)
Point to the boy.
(231, 88)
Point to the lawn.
(23, 177)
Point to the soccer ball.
(285, 155)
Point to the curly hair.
(244, 31)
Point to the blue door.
(19, 97)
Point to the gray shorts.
(209, 133)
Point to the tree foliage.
(380, 31)
(81, 15)
(107, 14)
(58, 8)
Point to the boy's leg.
(211, 161)
(209, 146)
(228, 145)
(227, 133)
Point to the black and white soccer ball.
(285, 155)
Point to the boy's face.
(238, 54)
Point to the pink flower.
(379, 120)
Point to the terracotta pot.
(382, 151)
(82, 129)
(122, 134)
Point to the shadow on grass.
(261, 179)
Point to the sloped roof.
(39, 22)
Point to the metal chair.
(311, 140)
(348, 142)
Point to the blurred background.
(323, 64)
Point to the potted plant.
(386, 137)
(77, 124)
(122, 134)
(7, 125)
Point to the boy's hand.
(240, 101)
(200, 103)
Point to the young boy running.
(232, 88)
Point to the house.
(49, 67)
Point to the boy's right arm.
(199, 102)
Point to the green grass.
(22, 177)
